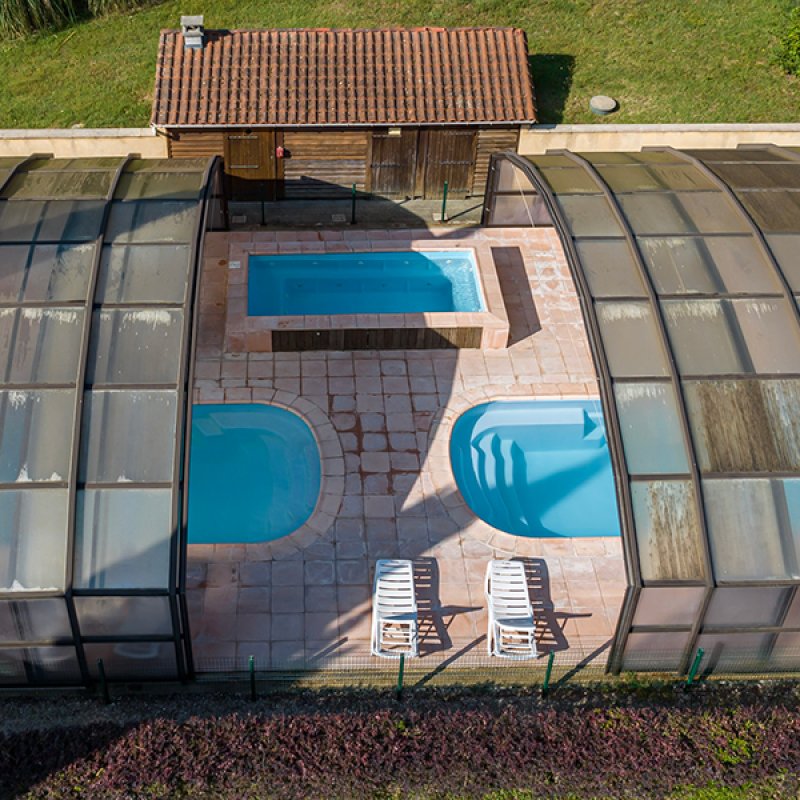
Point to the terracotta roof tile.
(344, 77)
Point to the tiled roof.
(345, 77)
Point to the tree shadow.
(552, 78)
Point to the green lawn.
(664, 60)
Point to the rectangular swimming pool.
(405, 282)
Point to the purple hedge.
(617, 752)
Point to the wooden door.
(449, 156)
(392, 163)
(251, 165)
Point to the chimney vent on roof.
(192, 30)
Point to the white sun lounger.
(394, 610)
(511, 627)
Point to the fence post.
(101, 670)
(400, 672)
(353, 207)
(251, 662)
(695, 666)
(444, 203)
(551, 657)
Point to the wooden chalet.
(304, 113)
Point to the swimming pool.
(537, 468)
(363, 283)
(254, 473)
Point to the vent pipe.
(193, 31)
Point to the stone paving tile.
(313, 601)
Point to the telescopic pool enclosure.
(97, 274)
(688, 268)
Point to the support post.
(252, 666)
(353, 207)
(444, 203)
(400, 672)
(551, 657)
(101, 671)
(695, 666)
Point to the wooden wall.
(491, 140)
(324, 163)
(196, 144)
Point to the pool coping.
(256, 333)
(438, 464)
(331, 489)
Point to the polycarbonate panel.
(109, 451)
(753, 528)
(785, 175)
(609, 268)
(50, 184)
(705, 337)
(517, 209)
(570, 180)
(43, 344)
(43, 620)
(631, 339)
(793, 614)
(720, 155)
(669, 538)
(669, 606)
(135, 346)
(143, 274)
(708, 265)
(745, 425)
(589, 215)
(664, 650)
(159, 185)
(508, 178)
(549, 160)
(166, 165)
(786, 251)
(35, 434)
(643, 157)
(33, 539)
(122, 538)
(13, 261)
(124, 616)
(734, 652)
(71, 220)
(57, 665)
(771, 334)
(653, 177)
(650, 448)
(151, 221)
(19, 221)
(681, 212)
(786, 652)
(745, 607)
(59, 273)
(133, 660)
(75, 164)
(773, 211)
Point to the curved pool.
(254, 473)
(537, 467)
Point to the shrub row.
(21, 17)
(468, 752)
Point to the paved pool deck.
(383, 420)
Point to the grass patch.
(664, 60)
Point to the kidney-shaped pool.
(537, 468)
(254, 473)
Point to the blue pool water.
(363, 283)
(254, 473)
(537, 468)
